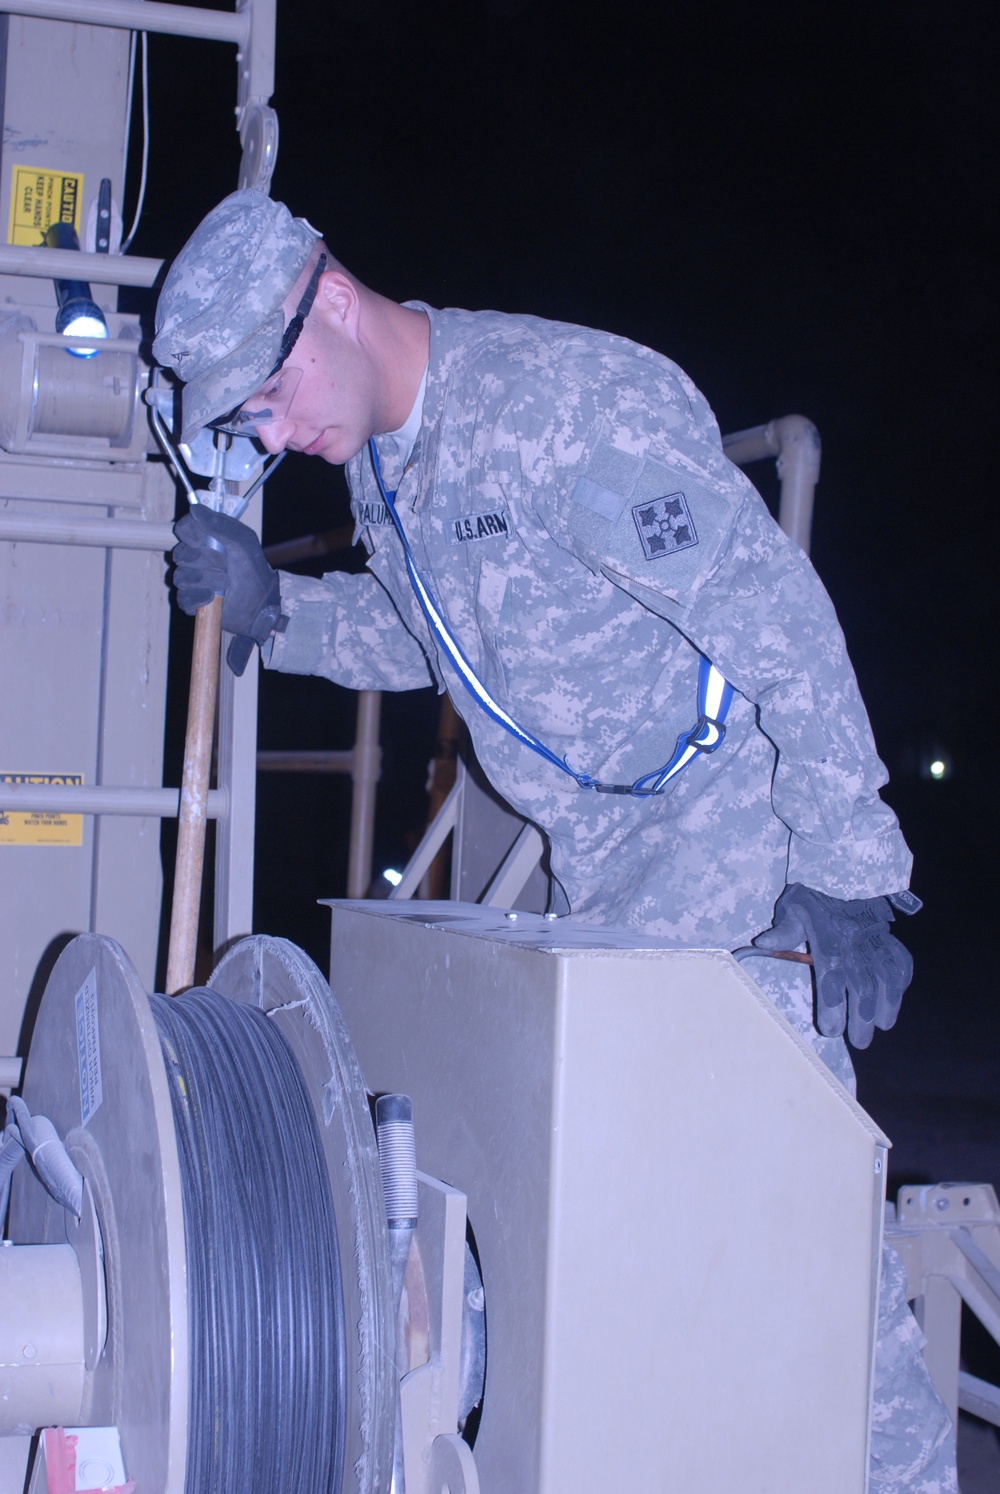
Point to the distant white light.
(392, 877)
(938, 769)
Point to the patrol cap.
(219, 320)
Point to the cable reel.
(224, 1297)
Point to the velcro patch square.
(664, 526)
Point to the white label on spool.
(88, 1044)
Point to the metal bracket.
(436, 1459)
(948, 1237)
(259, 135)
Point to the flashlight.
(78, 314)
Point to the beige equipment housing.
(677, 1210)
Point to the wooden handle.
(443, 773)
(193, 819)
(797, 955)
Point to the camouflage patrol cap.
(219, 320)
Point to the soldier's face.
(332, 411)
(329, 413)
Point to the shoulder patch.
(494, 524)
(674, 509)
(664, 526)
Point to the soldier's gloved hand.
(220, 557)
(860, 969)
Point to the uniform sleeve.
(764, 618)
(655, 506)
(346, 628)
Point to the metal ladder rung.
(115, 534)
(154, 803)
(78, 264)
(127, 15)
(306, 761)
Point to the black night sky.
(793, 202)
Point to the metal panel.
(56, 74)
(677, 1208)
(127, 879)
(87, 482)
(84, 659)
(50, 664)
(83, 678)
(84, 666)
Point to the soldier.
(648, 667)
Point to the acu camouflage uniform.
(570, 507)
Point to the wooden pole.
(193, 820)
(443, 771)
(366, 768)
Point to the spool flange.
(96, 1070)
(124, 1144)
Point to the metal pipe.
(169, 448)
(305, 762)
(41, 1337)
(977, 1259)
(795, 442)
(99, 269)
(798, 467)
(365, 774)
(752, 445)
(156, 803)
(118, 534)
(174, 20)
(398, 1167)
(979, 1397)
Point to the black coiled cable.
(266, 1400)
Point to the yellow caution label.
(25, 827)
(39, 198)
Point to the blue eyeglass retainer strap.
(715, 694)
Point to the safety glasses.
(272, 400)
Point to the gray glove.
(860, 969)
(220, 557)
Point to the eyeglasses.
(272, 400)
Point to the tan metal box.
(677, 1208)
